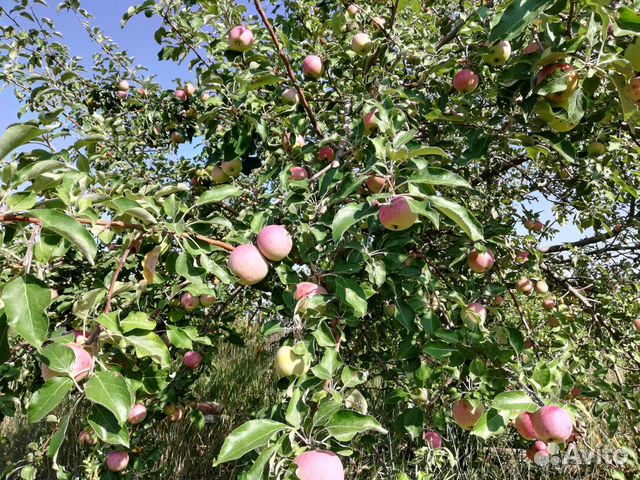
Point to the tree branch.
(133, 245)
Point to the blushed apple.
(274, 242)
(397, 215)
(240, 38)
(465, 81)
(312, 67)
(247, 263)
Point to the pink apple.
(189, 302)
(290, 96)
(326, 154)
(397, 215)
(361, 44)
(312, 67)
(189, 89)
(123, 86)
(432, 439)
(553, 424)
(319, 465)
(117, 461)
(537, 450)
(81, 366)
(548, 304)
(524, 285)
(353, 9)
(370, 122)
(240, 38)
(181, 95)
(465, 414)
(274, 242)
(299, 173)
(633, 89)
(137, 414)
(120, 94)
(522, 257)
(204, 97)
(498, 300)
(378, 22)
(481, 262)
(533, 47)
(247, 263)
(475, 314)
(465, 81)
(306, 290)
(87, 438)
(524, 426)
(375, 184)
(192, 360)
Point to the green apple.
(499, 54)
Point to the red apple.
(481, 262)
(192, 360)
(375, 184)
(299, 173)
(524, 426)
(312, 67)
(319, 465)
(137, 414)
(326, 154)
(465, 81)
(117, 461)
(274, 242)
(553, 424)
(432, 439)
(247, 263)
(465, 414)
(240, 38)
(572, 80)
(397, 215)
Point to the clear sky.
(137, 40)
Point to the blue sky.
(137, 39)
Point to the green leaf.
(257, 469)
(413, 422)
(424, 151)
(345, 424)
(490, 424)
(110, 390)
(21, 201)
(460, 216)
(253, 434)
(628, 19)
(69, 229)
(59, 358)
(514, 401)
(218, 194)
(297, 410)
(106, 427)
(328, 365)
(180, 338)
(16, 136)
(137, 321)
(150, 345)
(352, 294)
(516, 17)
(58, 439)
(326, 409)
(25, 301)
(50, 395)
(439, 176)
(348, 216)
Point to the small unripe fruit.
(137, 414)
(432, 439)
(548, 304)
(390, 310)
(370, 122)
(481, 262)
(123, 86)
(218, 176)
(192, 360)
(397, 215)
(375, 184)
(319, 465)
(81, 366)
(232, 168)
(240, 38)
(353, 10)
(553, 322)
(299, 173)
(595, 149)
(538, 226)
(290, 96)
(181, 95)
(87, 438)
(572, 80)
(465, 414)
(191, 114)
(542, 287)
(361, 44)
(326, 154)
(553, 424)
(312, 67)
(499, 54)
(524, 285)
(465, 81)
(288, 363)
(247, 263)
(533, 47)
(498, 300)
(207, 300)
(189, 302)
(529, 223)
(524, 426)
(475, 314)
(189, 89)
(177, 137)
(117, 461)
(274, 242)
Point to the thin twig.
(133, 245)
(28, 258)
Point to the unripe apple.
(553, 424)
(353, 10)
(390, 309)
(465, 81)
(529, 223)
(499, 54)
(232, 168)
(542, 287)
(189, 89)
(370, 122)
(123, 86)
(122, 95)
(207, 300)
(240, 38)
(218, 176)
(475, 314)
(498, 300)
(378, 22)
(306, 290)
(204, 97)
(117, 461)
(290, 96)
(181, 95)
(524, 426)
(247, 263)
(432, 439)
(595, 149)
(312, 67)
(537, 451)
(274, 242)
(533, 47)
(87, 438)
(553, 321)
(189, 302)
(633, 89)
(548, 304)
(177, 137)
(481, 262)
(288, 363)
(81, 366)
(397, 215)
(191, 114)
(524, 285)
(636, 323)
(465, 414)
(299, 173)
(137, 414)
(572, 80)
(375, 184)
(361, 44)
(174, 413)
(192, 360)
(522, 257)
(326, 154)
(538, 226)
(319, 465)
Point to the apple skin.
(361, 44)
(177, 137)
(207, 300)
(500, 53)
(123, 86)
(353, 9)
(181, 95)
(288, 364)
(290, 96)
(475, 314)
(533, 47)
(120, 94)
(87, 438)
(81, 367)
(319, 465)
(542, 287)
(312, 67)
(633, 89)
(174, 413)
(299, 173)
(189, 89)
(192, 360)
(232, 168)
(524, 426)
(573, 80)
(432, 439)
(480, 262)
(375, 184)
(378, 22)
(465, 415)
(274, 242)
(548, 304)
(189, 302)
(306, 290)
(522, 257)
(240, 38)
(326, 154)
(537, 450)
(247, 263)
(370, 122)
(204, 97)
(524, 285)
(498, 300)
(553, 424)
(636, 324)
(137, 414)
(218, 176)
(595, 149)
(117, 461)
(465, 81)
(397, 215)
(538, 226)
(529, 223)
